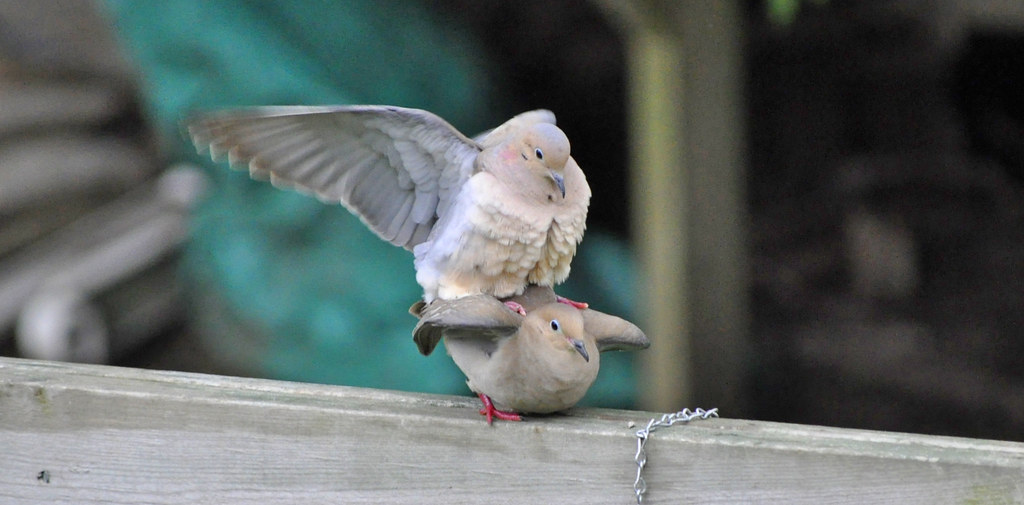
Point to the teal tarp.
(283, 285)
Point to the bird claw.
(516, 307)
(492, 412)
(572, 303)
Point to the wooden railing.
(88, 434)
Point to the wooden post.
(688, 198)
(660, 213)
(90, 434)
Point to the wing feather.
(401, 216)
(398, 169)
(477, 317)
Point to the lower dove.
(488, 215)
(542, 362)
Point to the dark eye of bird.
(554, 324)
(539, 153)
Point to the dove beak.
(578, 345)
(560, 182)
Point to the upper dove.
(488, 215)
(541, 362)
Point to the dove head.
(534, 161)
(559, 328)
(547, 145)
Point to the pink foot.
(578, 305)
(516, 307)
(492, 412)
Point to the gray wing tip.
(613, 333)
(476, 316)
(426, 335)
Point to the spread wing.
(397, 169)
(480, 317)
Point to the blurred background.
(814, 208)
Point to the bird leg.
(573, 303)
(492, 412)
(516, 307)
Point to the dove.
(482, 216)
(542, 362)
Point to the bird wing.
(479, 317)
(397, 169)
(613, 333)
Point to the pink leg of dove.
(573, 303)
(516, 307)
(492, 412)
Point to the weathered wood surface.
(115, 435)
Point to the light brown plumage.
(482, 216)
(542, 362)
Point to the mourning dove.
(539, 363)
(482, 216)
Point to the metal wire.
(642, 435)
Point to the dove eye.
(539, 154)
(554, 325)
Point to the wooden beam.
(660, 210)
(89, 434)
(719, 269)
(688, 197)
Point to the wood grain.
(115, 435)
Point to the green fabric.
(283, 285)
